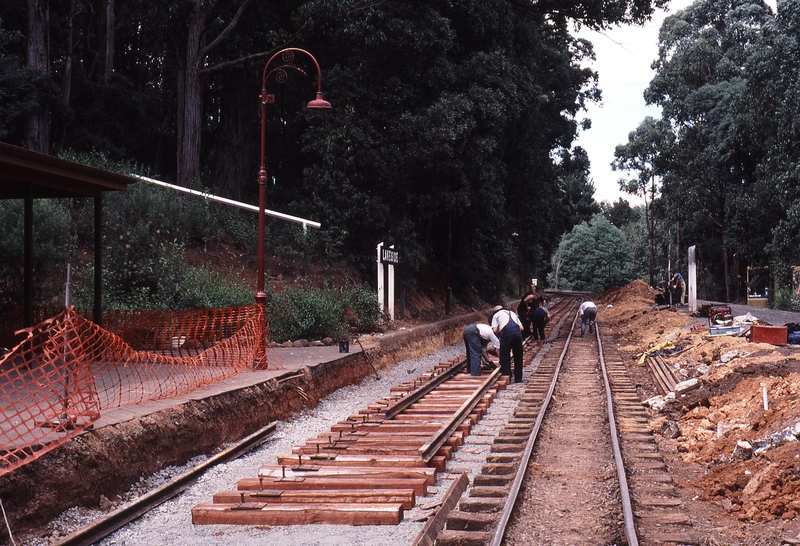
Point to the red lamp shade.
(319, 103)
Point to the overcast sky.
(624, 55)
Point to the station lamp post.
(285, 62)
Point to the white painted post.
(380, 278)
(692, 280)
(391, 289)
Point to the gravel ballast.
(171, 522)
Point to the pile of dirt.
(732, 442)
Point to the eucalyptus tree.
(37, 131)
(700, 83)
(620, 213)
(470, 126)
(644, 155)
(773, 90)
(22, 90)
(452, 125)
(593, 256)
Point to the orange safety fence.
(55, 382)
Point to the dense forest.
(720, 168)
(452, 127)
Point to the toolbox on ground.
(775, 335)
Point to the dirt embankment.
(732, 441)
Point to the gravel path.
(171, 522)
(773, 316)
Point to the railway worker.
(587, 313)
(476, 338)
(508, 328)
(539, 318)
(534, 299)
(523, 312)
(678, 286)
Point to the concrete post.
(692, 280)
(380, 279)
(390, 280)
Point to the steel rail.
(413, 397)
(516, 485)
(117, 519)
(627, 508)
(430, 448)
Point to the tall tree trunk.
(190, 90)
(238, 132)
(109, 45)
(66, 85)
(37, 136)
(190, 99)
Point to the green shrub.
(786, 300)
(365, 308)
(51, 245)
(241, 228)
(316, 313)
(200, 287)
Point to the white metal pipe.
(303, 221)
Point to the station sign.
(389, 256)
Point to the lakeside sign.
(390, 257)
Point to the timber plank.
(326, 453)
(427, 536)
(299, 514)
(404, 497)
(344, 459)
(418, 485)
(427, 473)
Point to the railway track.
(379, 463)
(373, 466)
(576, 464)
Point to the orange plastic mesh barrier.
(54, 384)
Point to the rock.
(328, 341)
(743, 450)
(730, 355)
(316, 344)
(300, 343)
(725, 428)
(105, 504)
(686, 386)
(670, 429)
(656, 403)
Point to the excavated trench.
(104, 463)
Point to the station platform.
(282, 361)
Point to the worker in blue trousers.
(587, 312)
(476, 339)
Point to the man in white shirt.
(476, 338)
(508, 328)
(587, 313)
